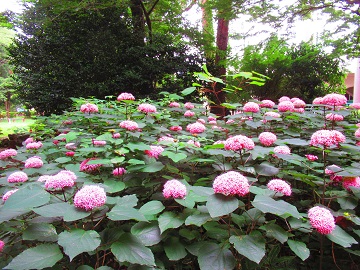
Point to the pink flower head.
(8, 194)
(357, 133)
(34, 162)
(267, 138)
(334, 117)
(61, 180)
(89, 108)
(327, 138)
(251, 107)
(189, 113)
(311, 157)
(189, 105)
(239, 142)
(70, 146)
(2, 245)
(266, 103)
(176, 128)
(34, 145)
(7, 153)
(219, 142)
(67, 122)
(285, 106)
(99, 143)
(211, 118)
(272, 114)
(230, 121)
(231, 183)
(174, 105)
(43, 178)
(174, 189)
(146, 108)
(355, 105)
(28, 140)
(119, 171)
(317, 101)
(154, 152)
(334, 100)
(194, 143)
(282, 149)
(116, 135)
(166, 139)
(321, 219)
(279, 185)
(284, 98)
(89, 197)
(125, 96)
(195, 128)
(298, 103)
(202, 121)
(17, 177)
(298, 110)
(129, 125)
(90, 168)
(70, 154)
(351, 182)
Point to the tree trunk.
(138, 21)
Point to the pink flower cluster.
(285, 106)
(231, 183)
(321, 219)
(90, 168)
(189, 113)
(2, 245)
(267, 138)
(174, 105)
(70, 146)
(311, 157)
(99, 143)
(194, 143)
(357, 133)
(89, 108)
(29, 140)
(70, 154)
(282, 149)
(189, 106)
(284, 98)
(251, 107)
(129, 125)
(174, 189)
(327, 138)
(166, 139)
(17, 177)
(351, 182)
(146, 108)
(195, 128)
(116, 136)
(155, 151)
(61, 180)
(355, 105)
(298, 103)
(125, 96)
(8, 194)
(334, 117)
(176, 128)
(334, 100)
(119, 171)
(90, 197)
(266, 103)
(272, 114)
(317, 101)
(279, 185)
(34, 145)
(7, 153)
(239, 142)
(34, 162)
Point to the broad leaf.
(197, 219)
(339, 236)
(174, 249)
(214, 257)
(151, 208)
(268, 205)
(266, 169)
(251, 246)
(188, 91)
(219, 205)
(65, 210)
(169, 220)
(40, 232)
(275, 231)
(152, 167)
(176, 157)
(120, 212)
(112, 186)
(299, 248)
(147, 233)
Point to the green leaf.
(169, 220)
(117, 160)
(119, 212)
(153, 167)
(275, 231)
(220, 205)
(136, 162)
(78, 241)
(268, 205)
(40, 232)
(147, 232)
(228, 106)
(62, 159)
(251, 246)
(99, 161)
(339, 236)
(138, 146)
(151, 208)
(298, 142)
(176, 157)
(188, 91)
(65, 210)
(213, 257)
(112, 186)
(299, 248)
(174, 249)
(347, 203)
(197, 219)
(27, 198)
(266, 169)
(39, 257)
(130, 249)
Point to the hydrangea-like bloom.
(34, 162)
(129, 125)
(327, 138)
(67, 122)
(89, 108)
(202, 121)
(2, 245)
(44, 177)
(7, 153)
(355, 105)
(334, 117)
(195, 128)
(70, 146)
(146, 108)
(282, 149)
(272, 114)
(321, 219)
(334, 100)
(70, 154)
(90, 168)
(298, 110)
(99, 143)
(174, 189)
(155, 151)
(357, 133)
(166, 139)
(116, 135)
(251, 107)
(90, 197)
(284, 98)
(317, 101)
(34, 145)
(267, 138)
(8, 194)
(231, 183)
(189, 113)
(219, 142)
(279, 185)
(230, 121)
(125, 96)
(298, 103)
(174, 105)
(194, 143)
(311, 157)
(211, 118)
(285, 106)
(28, 140)
(17, 177)
(239, 142)
(266, 103)
(176, 128)
(351, 182)
(189, 105)
(119, 171)
(61, 180)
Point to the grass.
(17, 125)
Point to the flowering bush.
(178, 188)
